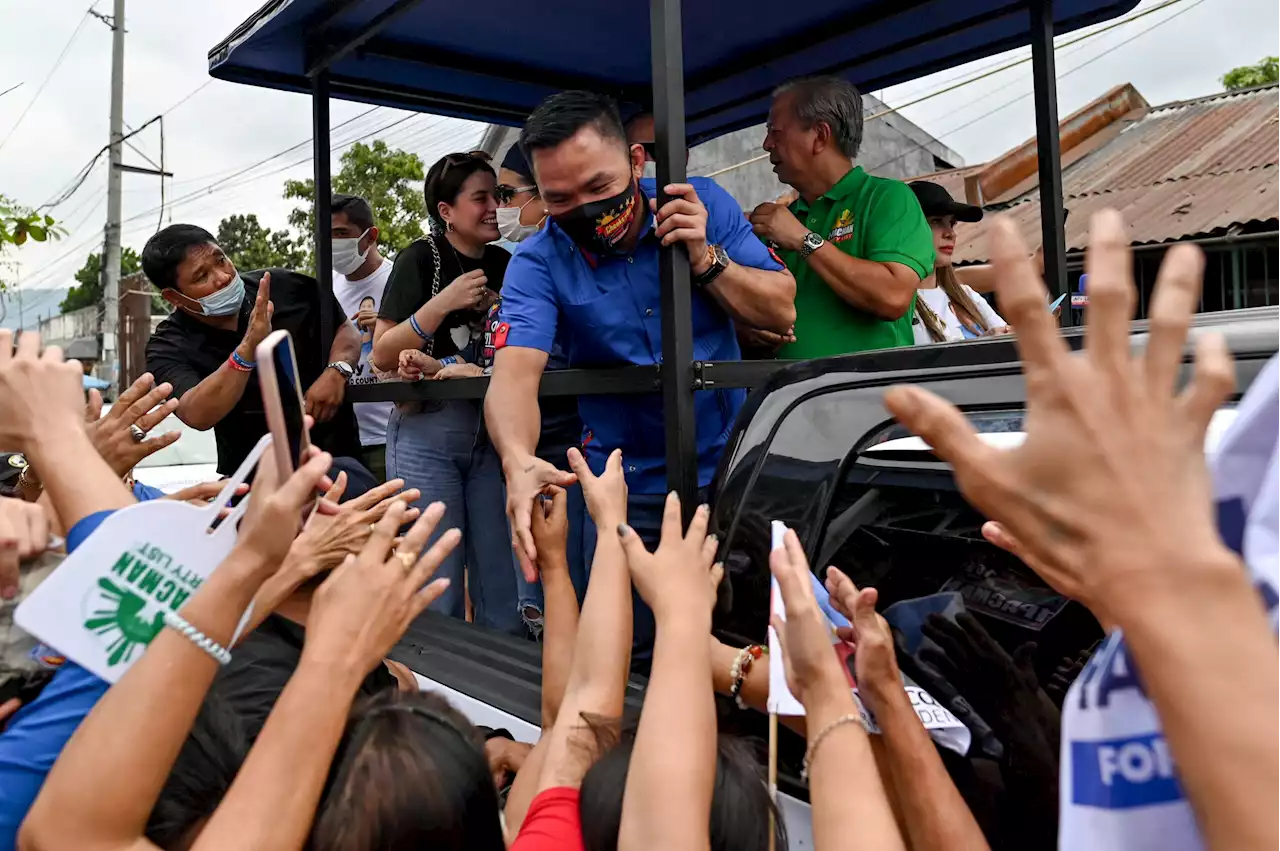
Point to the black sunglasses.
(503, 193)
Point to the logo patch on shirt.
(500, 335)
(842, 229)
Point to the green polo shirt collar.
(845, 186)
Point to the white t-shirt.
(372, 416)
(952, 329)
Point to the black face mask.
(600, 226)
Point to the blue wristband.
(449, 361)
(417, 329)
(242, 364)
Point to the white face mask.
(347, 256)
(509, 223)
(225, 301)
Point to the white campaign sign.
(945, 728)
(1119, 785)
(107, 600)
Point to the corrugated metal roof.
(1184, 169)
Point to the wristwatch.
(812, 242)
(719, 262)
(344, 369)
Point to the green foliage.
(88, 289)
(1263, 73)
(251, 245)
(19, 224)
(389, 179)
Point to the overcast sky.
(226, 127)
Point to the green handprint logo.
(122, 612)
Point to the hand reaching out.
(42, 392)
(875, 659)
(24, 534)
(813, 669)
(143, 407)
(606, 494)
(550, 528)
(679, 578)
(364, 607)
(1109, 491)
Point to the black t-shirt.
(184, 351)
(262, 664)
(409, 287)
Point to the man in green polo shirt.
(857, 245)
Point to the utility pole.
(111, 246)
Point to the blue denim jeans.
(644, 515)
(531, 592)
(436, 451)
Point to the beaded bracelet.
(417, 329)
(809, 752)
(173, 620)
(741, 665)
(240, 364)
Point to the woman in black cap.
(521, 212)
(946, 309)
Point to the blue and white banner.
(1119, 786)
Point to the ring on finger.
(407, 561)
(136, 432)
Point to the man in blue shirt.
(592, 274)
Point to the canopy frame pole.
(327, 54)
(666, 35)
(323, 207)
(1048, 148)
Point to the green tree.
(88, 289)
(252, 245)
(18, 224)
(1265, 72)
(389, 179)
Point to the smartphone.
(282, 399)
(1057, 303)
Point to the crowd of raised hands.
(1108, 500)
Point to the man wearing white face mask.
(360, 276)
(206, 348)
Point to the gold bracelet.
(809, 752)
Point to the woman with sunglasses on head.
(440, 289)
(947, 310)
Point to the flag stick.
(773, 777)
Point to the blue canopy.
(496, 60)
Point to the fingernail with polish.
(623, 530)
(9, 592)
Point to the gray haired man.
(857, 245)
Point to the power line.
(189, 95)
(11, 88)
(56, 63)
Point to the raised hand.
(606, 494)
(1109, 489)
(39, 388)
(24, 534)
(364, 607)
(121, 436)
(684, 219)
(274, 516)
(550, 527)
(468, 291)
(259, 320)
(679, 578)
(813, 669)
(875, 660)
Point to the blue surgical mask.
(225, 301)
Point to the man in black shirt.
(206, 348)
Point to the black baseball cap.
(515, 161)
(937, 201)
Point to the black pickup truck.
(814, 448)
